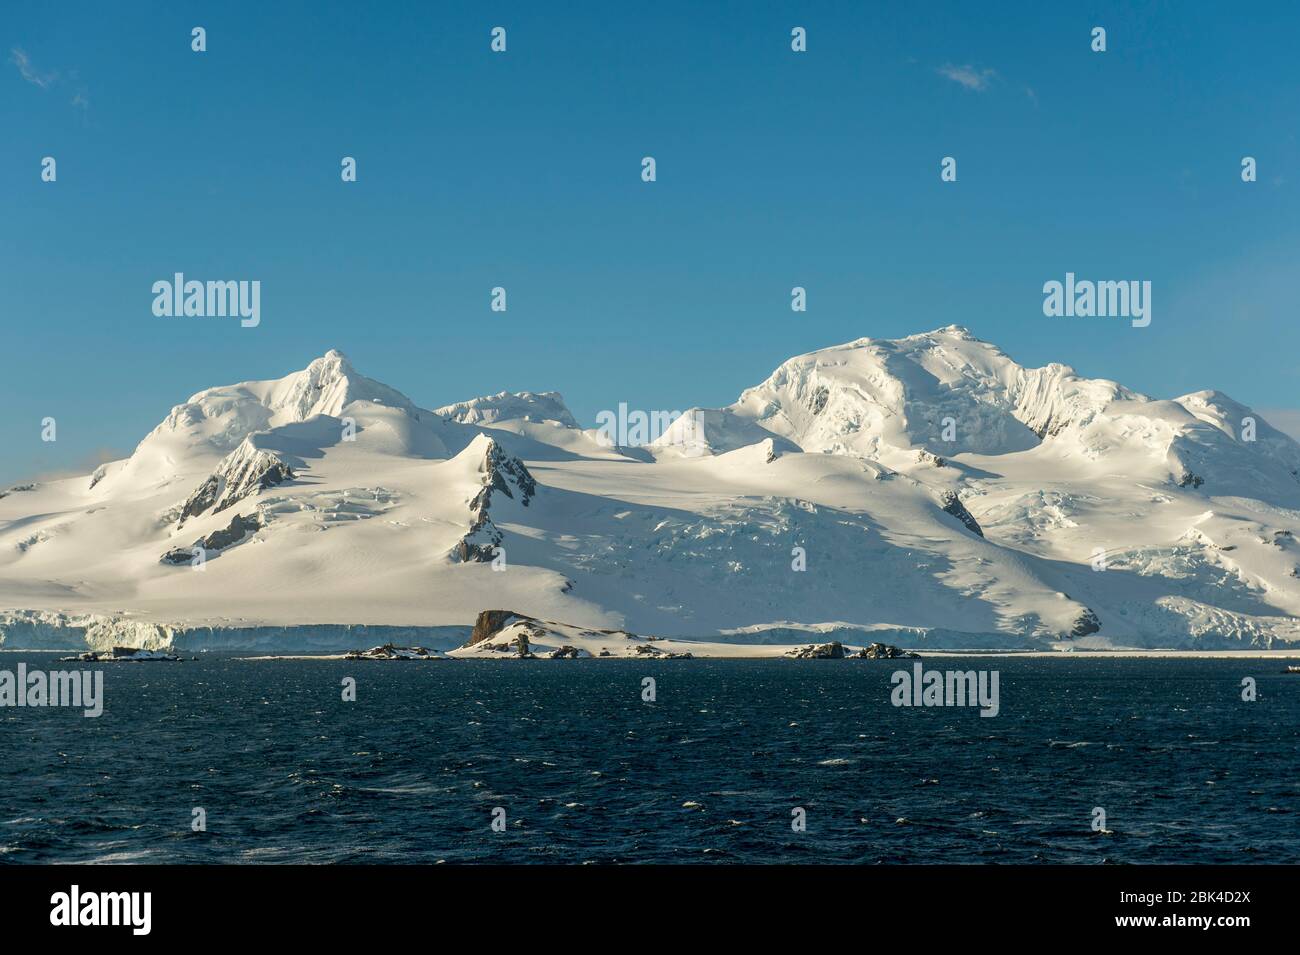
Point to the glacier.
(927, 490)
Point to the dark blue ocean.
(708, 773)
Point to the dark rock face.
(835, 651)
(391, 651)
(883, 651)
(1086, 623)
(1190, 479)
(235, 480)
(120, 655)
(952, 504)
(656, 654)
(501, 472)
(817, 402)
(504, 469)
(566, 653)
(483, 550)
(202, 498)
(234, 532)
(824, 651)
(489, 624)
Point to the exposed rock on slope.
(952, 505)
(488, 624)
(822, 651)
(390, 651)
(1086, 624)
(501, 473)
(243, 473)
(219, 540)
(811, 505)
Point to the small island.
(122, 655)
(390, 651)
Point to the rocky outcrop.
(121, 655)
(836, 651)
(233, 533)
(502, 474)
(657, 654)
(819, 651)
(952, 504)
(482, 541)
(818, 399)
(392, 652)
(244, 472)
(1086, 623)
(883, 651)
(489, 624)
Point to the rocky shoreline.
(123, 655)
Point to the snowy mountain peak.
(546, 407)
(326, 386)
(216, 421)
(930, 486)
(945, 393)
(957, 332)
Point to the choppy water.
(411, 772)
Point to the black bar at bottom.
(335, 903)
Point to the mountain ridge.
(929, 484)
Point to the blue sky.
(522, 170)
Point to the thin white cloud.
(968, 76)
(28, 70)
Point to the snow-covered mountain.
(928, 491)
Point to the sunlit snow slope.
(932, 489)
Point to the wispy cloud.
(968, 76)
(71, 81)
(19, 58)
